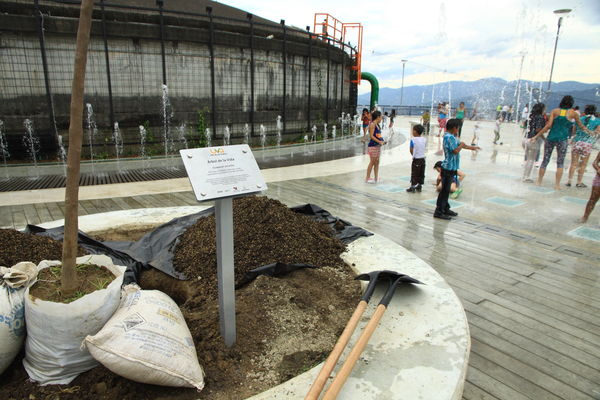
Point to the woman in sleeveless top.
(559, 126)
(374, 147)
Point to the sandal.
(581, 185)
(568, 184)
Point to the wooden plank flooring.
(533, 310)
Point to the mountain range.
(488, 93)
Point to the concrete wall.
(136, 76)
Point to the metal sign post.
(221, 173)
(225, 271)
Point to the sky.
(445, 40)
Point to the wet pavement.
(525, 270)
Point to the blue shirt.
(451, 161)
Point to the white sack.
(13, 282)
(55, 331)
(147, 340)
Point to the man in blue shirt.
(451, 163)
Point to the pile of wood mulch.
(284, 325)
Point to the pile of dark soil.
(16, 246)
(265, 231)
(284, 325)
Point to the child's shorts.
(374, 151)
(442, 122)
(582, 148)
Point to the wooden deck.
(533, 306)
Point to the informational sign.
(220, 173)
(217, 172)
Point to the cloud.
(470, 39)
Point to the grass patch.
(90, 278)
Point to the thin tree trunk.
(69, 276)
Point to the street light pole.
(402, 88)
(560, 13)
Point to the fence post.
(309, 74)
(284, 72)
(327, 86)
(40, 29)
(212, 71)
(350, 84)
(342, 81)
(110, 95)
(160, 4)
(249, 16)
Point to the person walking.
(582, 145)
(559, 125)
(497, 131)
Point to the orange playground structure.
(328, 27)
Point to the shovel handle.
(360, 345)
(336, 352)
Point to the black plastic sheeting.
(275, 270)
(156, 248)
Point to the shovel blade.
(374, 277)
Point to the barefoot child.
(417, 149)
(497, 131)
(476, 130)
(455, 189)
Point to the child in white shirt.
(497, 131)
(418, 145)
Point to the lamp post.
(402, 88)
(560, 13)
